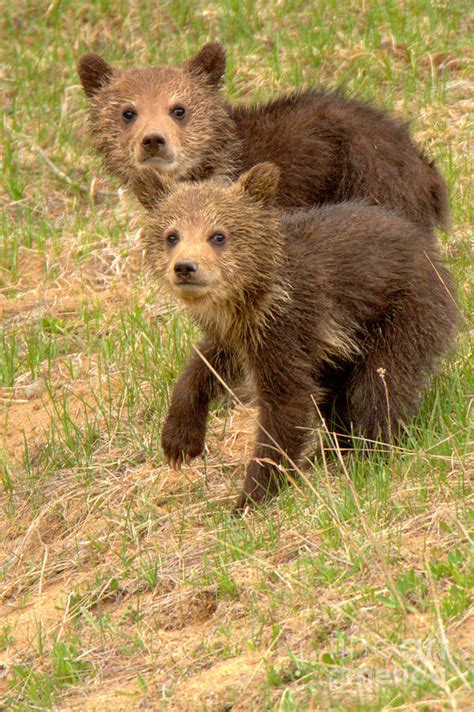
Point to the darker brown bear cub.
(340, 309)
(329, 148)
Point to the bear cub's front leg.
(184, 430)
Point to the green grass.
(125, 584)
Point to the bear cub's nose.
(185, 270)
(153, 144)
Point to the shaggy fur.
(329, 148)
(350, 317)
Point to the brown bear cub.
(341, 309)
(329, 148)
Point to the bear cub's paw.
(181, 441)
(261, 484)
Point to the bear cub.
(340, 309)
(329, 148)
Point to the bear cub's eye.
(217, 238)
(129, 115)
(178, 112)
(172, 239)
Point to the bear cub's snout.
(185, 270)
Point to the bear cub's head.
(169, 118)
(214, 245)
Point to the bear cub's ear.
(208, 64)
(261, 182)
(94, 73)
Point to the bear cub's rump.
(342, 307)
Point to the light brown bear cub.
(329, 148)
(169, 118)
(312, 306)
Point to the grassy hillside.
(123, 584)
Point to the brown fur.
(329, 148)
(350, 317)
